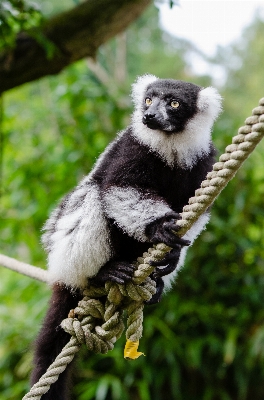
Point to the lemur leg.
(52, 339)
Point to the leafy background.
(205, 340)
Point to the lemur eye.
(148, 101)
(175, 104)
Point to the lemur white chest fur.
(118, 201)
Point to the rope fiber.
(99, 324)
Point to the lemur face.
(169, 104)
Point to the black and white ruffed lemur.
(130, 200)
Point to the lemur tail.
(52, 339)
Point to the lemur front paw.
(162, 231)
(114, 271)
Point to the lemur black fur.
(130, 200)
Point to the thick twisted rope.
(84, 321)
(56, 368)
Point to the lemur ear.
(140, 86)
(210, 101)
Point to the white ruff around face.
(183, 148)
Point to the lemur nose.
(148, 116)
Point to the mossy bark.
(75, 34)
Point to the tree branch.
(76, 34)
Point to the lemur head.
(174, 117)
(169, 104)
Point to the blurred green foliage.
(17, 16)
(205, 340)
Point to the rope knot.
(84, 325)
